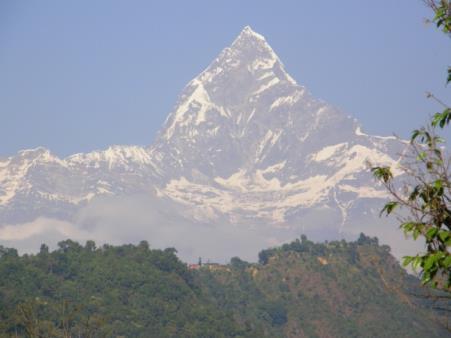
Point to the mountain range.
(245, 146)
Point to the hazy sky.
(81, 75)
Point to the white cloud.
(117, 220)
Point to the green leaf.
(408, 226)
(426, 278)
(421, 156)
(447, 262)
(416, 261)
(429, 263)
(444, 235)
(389, 207)
(438, 184)
(441, 119)
(407, 260)
(415, 134)
(416, 233)
(438, 187)
(382, 173)
(436, 119)
(415, 192)
(431, 233)
(439, 139)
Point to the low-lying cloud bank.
(119, 220)
(129, 220)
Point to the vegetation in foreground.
(301, 289)
(424, 189)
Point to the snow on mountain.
(37, 183)
(244, 142)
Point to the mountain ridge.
(245, 145)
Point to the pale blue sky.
(81, 75)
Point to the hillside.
(337, 289)
(125, 291)
(301, 289)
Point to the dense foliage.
(301, 289)
(128, 291)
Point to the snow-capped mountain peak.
(244, 133)
(251, 45)
(242, 72)
(244, 141)
(248, 53)
(249, 33)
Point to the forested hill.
(302, 289)
(336, 289)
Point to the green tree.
(425, 191)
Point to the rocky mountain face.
(244, 143)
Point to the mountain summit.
(246, 139)
(226, 116)
(247, 68)
(245, 144)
